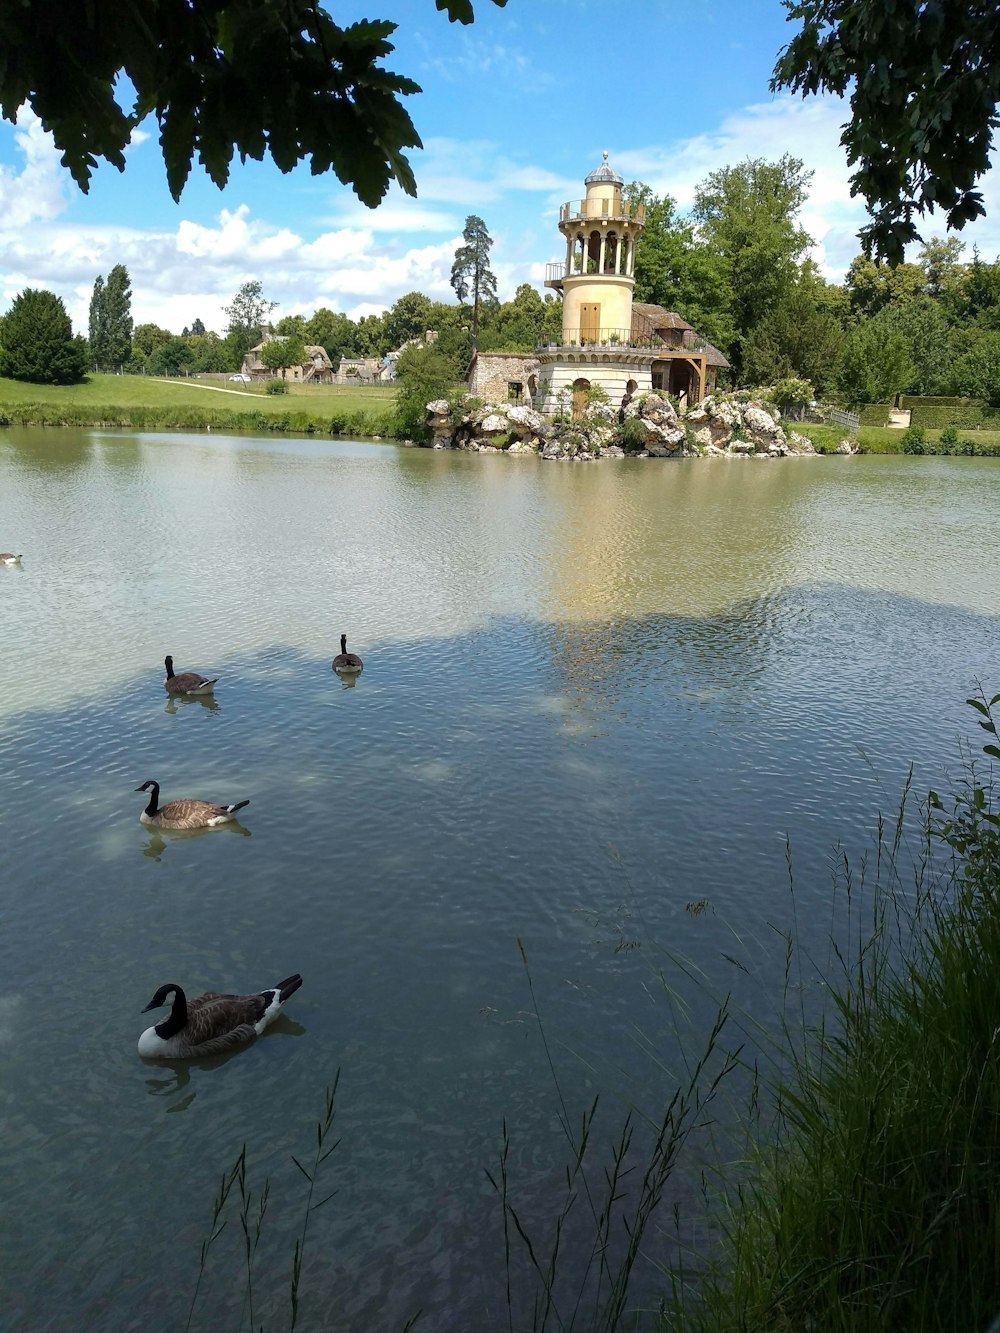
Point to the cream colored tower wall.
(612, 294)
(605, 193)
(613, 378)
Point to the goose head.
(160, 998)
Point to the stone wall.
(493, 372)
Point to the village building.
(317, 368)
(624, 347)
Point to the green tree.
(97, 325)
(37, 342)
(408, 318)
(370, 336)
(221, 77)
(874, 364)
(924, 328)
(197, 329)
(208, 353)
(924, 82)
(280, 353)
(172, 358)
(471, 274)
(977, 373)
(291, 326)
(675, 270)
(246, 315)
(747, 213)
(800, 339)
(118, 318)
(334, 332)
(147, 337)
(517, 325)
(424, 374)
(873, 285)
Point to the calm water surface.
(592, 696)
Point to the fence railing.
(579, 210)
(625, 338)
(851, 421)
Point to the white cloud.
(36, 193)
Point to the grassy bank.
(143, 402)
(873, 1201)
(889, 440)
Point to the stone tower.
(596, 278)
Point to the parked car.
(240, 379)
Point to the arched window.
(581, 388)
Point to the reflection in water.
(348, 682)
(160, 839)
(682, 660)
(175, 1076)
(181, 701)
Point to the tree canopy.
(37, 342)
(471, 274)
(924, 82)
(110, 329)
(222, 77)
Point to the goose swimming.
(345, 663)
(8, 558)
(211, 1023)
(186, 682)
(185, 814)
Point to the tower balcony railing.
(558, 269)
(633, 339)
(597, 210)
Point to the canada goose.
(348, 664)
(211, 1023)
(185, 814)
(8, 558)
(187, 682)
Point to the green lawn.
(881, 439)
(125, 391)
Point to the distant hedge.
(875, 414)
(910, 400)
(965, 413)
(160, 417)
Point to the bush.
(791, 394)
(913, 440)
(949, 439)
(275, 386)
(633, 435)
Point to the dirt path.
(213, 388)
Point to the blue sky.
(516, 109)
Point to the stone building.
(317, 368)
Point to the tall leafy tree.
(246, 315)
(471, 275)
(924, 83)
(118, 313)
(675, 270)
(748, 213)
(37, 342)
(97, 327)
(874, 364)
(874, 285)
(800, 339)
(408, 318)
(222, 77)
(110, 326)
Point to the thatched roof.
(654, 319)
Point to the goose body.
(8, 558)
(185, 814)
(186, 682)
(211, 1024)
(345, 663)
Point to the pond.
(596, 702)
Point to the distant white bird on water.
(186, 682)
(211, 1023)
(9, 558)
(185, 814)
